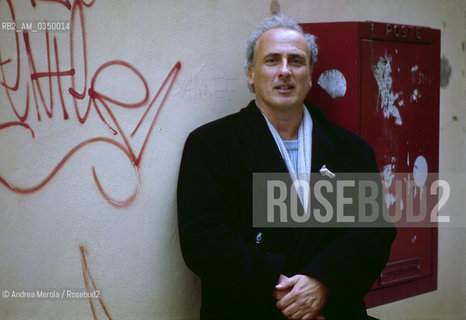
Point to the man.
(273, 273)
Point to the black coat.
(218, 241)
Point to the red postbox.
(382, 82)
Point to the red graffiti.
(90, 284)
(84, 96)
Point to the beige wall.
(52, 231)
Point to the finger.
(301, 314)
(282, 277)
(287, 300)
(290, 282)
(285, 283)
(320, 316)
(301, 309)
(279, 294)
(308, 316)
(290, 311)
(313, 316)
(297, 315)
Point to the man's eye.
(270, 60)
(297, 61)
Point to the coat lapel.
(327, 144)
(261, 153)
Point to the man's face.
(281, 73)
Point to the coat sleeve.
(350, 263)
(211, 246)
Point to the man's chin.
(288, 103)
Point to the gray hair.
(273, 22)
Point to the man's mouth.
(284, 87)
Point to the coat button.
(259, 237)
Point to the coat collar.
(263, 155)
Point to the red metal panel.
(338, 50)
(392, 101)
(399, 113)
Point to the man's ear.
(251, 76)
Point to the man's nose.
(284, 68)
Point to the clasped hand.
(300, 297)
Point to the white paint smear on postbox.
(420, 171)
(333, 82)
(386, 98)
